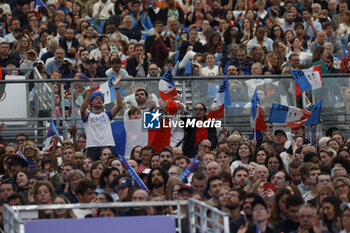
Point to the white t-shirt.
(210, 72)
(98, 129)
(236, 164)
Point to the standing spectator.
(197, 134)
(155, 44)
(97, 124)
(102, 10)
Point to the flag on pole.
(221, 101)
(189, 169)
(256, 113)
(132, 173)
(308, 79)
(167, 89)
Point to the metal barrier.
(210, 218)
(196, 89)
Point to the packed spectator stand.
(286, 180)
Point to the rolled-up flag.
(132, 173)
(189, 169)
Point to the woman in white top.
(344, 28)
(211, 69)
(296, 47)
(244, 155)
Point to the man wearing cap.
(30, 57)
(260, 218)
(280, 139)
(93, 71)
(97, 124)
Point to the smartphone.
(269, 185)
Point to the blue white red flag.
(257, 114)
(108, 90)
(130, 133)
(308, 79)
(221, 101)
(189, 169)
(287, 114)
(167, 89)
(316, 113)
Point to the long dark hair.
(335, 202)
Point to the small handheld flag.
(190, 169)
(308, 79)
(257, 114)
(132, 173)
(286, 114)
(167, 89)
(221, 101)
(316, 114)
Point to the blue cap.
(97, 93)
(129, 182)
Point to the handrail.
(245, 77)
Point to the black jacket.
(189, 148)
(63, 44)
(286, 225)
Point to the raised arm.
(85, 104)
(116, 108)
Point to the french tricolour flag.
(314, 119)
(308, 79)
(257, 114)
(130, 133)
(221, 101)
(286, 114)
(167, 89)
(108, 90)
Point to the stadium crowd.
(277, 184)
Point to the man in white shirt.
(102, 10)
